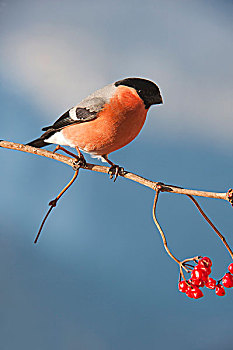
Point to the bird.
(103, 122)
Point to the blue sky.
(99, 277)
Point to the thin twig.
(159, 227)
(223, 239)
(139, 179)
(104, 169)
(228, 196)
(43, 222)
(53, 203)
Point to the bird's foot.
(115, 170)
(79, 162)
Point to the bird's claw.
(79, 162)
(114, 171)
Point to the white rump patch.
(94, 155)
(59, 139)
(98, 157)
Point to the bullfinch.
(104, 121)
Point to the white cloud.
(187, 49)
(51, 70)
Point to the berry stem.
(157, 190)
(180, 263)
(212, 225)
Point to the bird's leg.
(65, 150)
(80, 160)
(114, 170)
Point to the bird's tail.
(38, 143)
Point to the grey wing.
(85, 111)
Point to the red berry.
(197, 293)
(205, 262)
(220, 291)
(207, 270)
(194, 292)
(191, 282)
(199, 274)
(189, 292)
(211, 283)
(198, 283)
(227, 280)
(196, 274)
(230, 268)
(183, 286)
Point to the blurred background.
(99, 277)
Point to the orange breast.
(115, 126)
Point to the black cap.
(146, 89)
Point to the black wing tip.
(38, 143)
(46, 128)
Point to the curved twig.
(128, 175)
(223, 239)
(159, 227)
(53, 203)
(157, 186)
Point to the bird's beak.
(158, 100)
(161, 99)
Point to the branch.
(201, 269)
(228, 196)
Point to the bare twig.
(157, 190)
(182, 264)
(128, 175)
(156, 186)
(53, 203)
(43, 222)
(223, 239)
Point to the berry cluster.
(200, 278)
